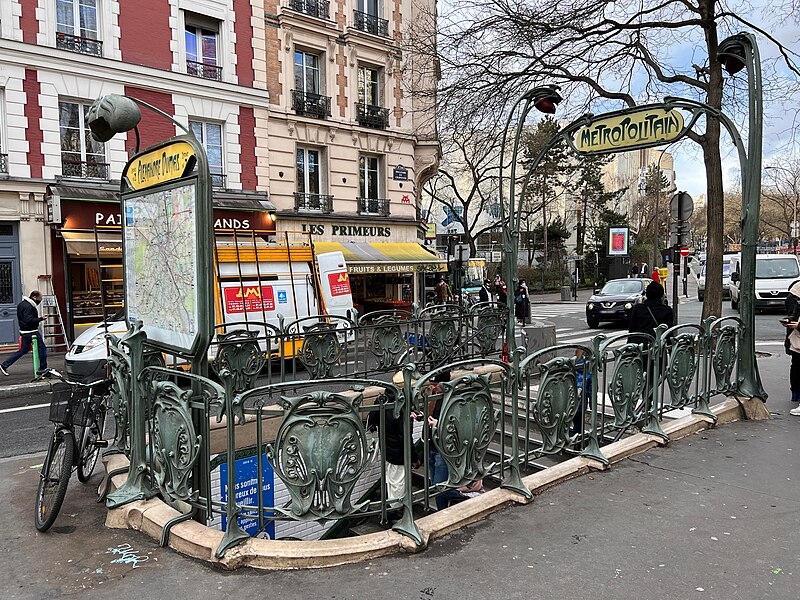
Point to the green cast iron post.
(737, 52)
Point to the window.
(201, 35)
(369, 112)
(81, 155)
(310, 182)
(368, 86)
(367, 17)
(210, 135)
(307, 97)
(306, 72)
(369, 185)
(77, 26)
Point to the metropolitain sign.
(629, 130)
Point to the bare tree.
(493, 50)
(780, 197)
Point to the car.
(615, 301)
(726, 279)
(775, 273)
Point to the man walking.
(29, 319)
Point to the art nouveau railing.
(294, 428)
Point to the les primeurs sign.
(634, 129)
(160, 166)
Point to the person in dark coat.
(500, 290)
(791, 323)
(395, 467)
(28, 319)
(485, 294)
(522, 305)
(651, 313)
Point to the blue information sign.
(247, 491)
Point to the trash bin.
(538, 335)
(566, 293)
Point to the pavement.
(20, 379)
(714, 515)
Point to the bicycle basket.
(68, 405)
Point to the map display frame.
(162, 262)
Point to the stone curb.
(195, 540)
(23, 389)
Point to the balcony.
(371, 24)
(204, 70)
(219, 181)
(321, 203)
(373, 206)
(372, 116)
(74, 43)
(4, 163)
(314, 8)
(312, 105)
(82, 169)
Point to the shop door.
(10, 292)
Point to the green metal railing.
(321, 423)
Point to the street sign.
(684, 251)
(681, 206)
(795, 229)
(573, 257)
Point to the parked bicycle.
(78, 411)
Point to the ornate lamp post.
(543, 98)
(736, 53)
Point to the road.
(26, 428)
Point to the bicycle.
(78, 411)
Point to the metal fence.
(343, 411)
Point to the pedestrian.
(644, 271)
(439, 471)
(791, 324)
(522, 305)
(634, 271)
(394, 453)
(500, 290)
(28, 319)
(655, 276)
(645, 317)
(443, 293)
(485, 294)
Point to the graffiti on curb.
(128, 556)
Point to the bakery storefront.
(86, 242)
(385, 260)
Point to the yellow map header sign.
(634, 129)
(160, 166)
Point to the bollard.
(35, 350)
(538, 335)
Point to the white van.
(245, 291)
(774, 274)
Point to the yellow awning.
(385, 257)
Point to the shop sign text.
(348, 231)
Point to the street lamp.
(543, 98)
(736, 53)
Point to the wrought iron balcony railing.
(313, 105)
(315, 8)
(322, 203)
(83, 169)
(204, 70)
(74, 43)
(218, 180)
(373, 206)
(3, 163)
(371, 24)
(372, 116)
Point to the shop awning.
(385, 257)
(81, 243)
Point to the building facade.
(226, 70)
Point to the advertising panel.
(247, 492)
(618, 241)
(249, 299)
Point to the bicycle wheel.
(88, 449)
(54, 478)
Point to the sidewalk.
(20, 379)
(714, 515)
